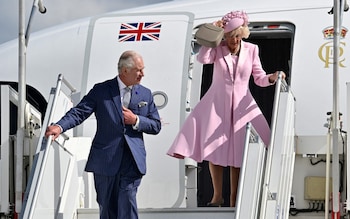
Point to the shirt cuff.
(136, 126)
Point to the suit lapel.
(115, 94)
(228, 60)
(242, 55)
(135, 95)
(240, 61)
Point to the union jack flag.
(143, 31)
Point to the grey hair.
(127, 60)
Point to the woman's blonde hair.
(244, 30)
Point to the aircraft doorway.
(275, 50)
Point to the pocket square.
(142, 103)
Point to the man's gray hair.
(127, 60)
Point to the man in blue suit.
(117, 156)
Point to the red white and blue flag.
(143, 31)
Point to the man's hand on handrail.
(54, 130)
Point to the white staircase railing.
(251, 176)
(266, 193)
(58, 104)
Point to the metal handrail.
(69, 85)
(45, 143)
(278, 90)
(251, 136)
(281, 86)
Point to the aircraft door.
(164, 41)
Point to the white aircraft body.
(296, 37)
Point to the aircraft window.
(160, 99)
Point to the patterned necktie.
(126, 97)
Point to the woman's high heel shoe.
(215, 204)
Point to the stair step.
(170, 213)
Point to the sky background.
(58, 11)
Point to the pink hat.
(233, 20)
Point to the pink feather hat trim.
(234, 19)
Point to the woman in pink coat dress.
(215, 129)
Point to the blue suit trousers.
(116, 195)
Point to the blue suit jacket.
(112, 134)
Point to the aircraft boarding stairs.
(59, 188)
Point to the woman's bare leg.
(216, 173)
(234, 177)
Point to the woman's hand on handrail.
(273, 77)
